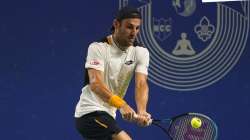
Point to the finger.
(149, 115)
(128, 116)
(131, 116)
(125, 116)
(149, 122)
(135, 115)
(143, 123)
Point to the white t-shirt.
(118, 68)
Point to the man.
(111, 64)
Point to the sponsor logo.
(129, 62)
(94, 62)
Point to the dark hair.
(126, 12)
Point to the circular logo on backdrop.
(192, 44)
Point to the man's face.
(127, 31)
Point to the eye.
(130, 27)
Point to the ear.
(116, 23)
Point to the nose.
(134, 31)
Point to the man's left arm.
(141, 93)
(141, 86)
(141, 99)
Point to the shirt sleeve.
(95, 57)
(142, 57)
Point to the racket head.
(181, 129)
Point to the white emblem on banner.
(190, 49)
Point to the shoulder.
(98, 45)
(142, 54)
(103, 42)
(96, 49)
(139, 47)
(141, 50)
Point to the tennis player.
(110, 65)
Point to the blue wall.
(42, 50)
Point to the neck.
(119, 44)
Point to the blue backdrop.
(43, 46)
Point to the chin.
(130, 43)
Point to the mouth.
(132, 39)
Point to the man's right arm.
(97, 85)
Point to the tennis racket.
(180, 128)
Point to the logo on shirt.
(129, 62)
(94, 62)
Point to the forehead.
(132, 21)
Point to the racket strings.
(181, 129)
